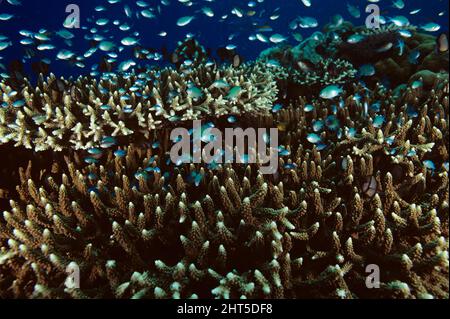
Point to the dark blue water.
(211, 32)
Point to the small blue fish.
(194, 92)
(234, 93)
(355, 38)
(244, 158)
(196, 178)
(108, 141)
(151, 160)
(174, 118)
(400, 21)
(185, 158)
(120, 153)
(213, 165)
(330, 92)
(400, 46)
(308, 108)
(378, 121)
(390, 140)
(128, 109)
(399, 4)
(277, 107)
(405, 33)
(354, 11)
(177, 139)
(90, 160)
(332, 122)
(14, 2)
(414, 56)
(411, 111)
(266, 138)
(95, 151)
(429, 164)
(351, 132)
(366, 70)
(430, 27)
(384, 48)
(290, 166)
(141, 174)
(220, 84)
(231, 119)
(318, 125)
(357, 98)
(272, 63)
(283, 151)
(411, 153)
(183, 21)
(5, 16)
(339, 133)
(313, 138)
(376, 106)
(19, 103)
(416, 84)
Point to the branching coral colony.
(360, 182)
(59, 114)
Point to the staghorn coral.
(78, 114)
(362, 180)
(308, 231)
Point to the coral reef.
(362, 177)
(79, 114)
(138, 228)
